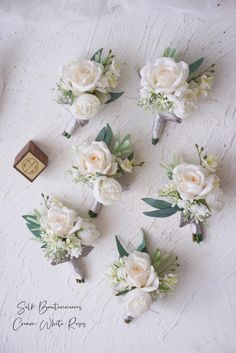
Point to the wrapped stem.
(95, 209)
(196, 232)
(70, 128)
(196, 229)
(78, 272)
(157, 128)
(72, 125)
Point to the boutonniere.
(193, 190)
(64, 235)
(141, 278)
(171, 89)
(87, 85)
(101, 163)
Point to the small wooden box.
(30, 161)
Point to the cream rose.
(192, 181)
(58, 219)
(95, 158)
(164, 75)
(81, 76)
(139, 272)
(106, 190)
(87, 231)
(85, 106)
(137, 302)
(185, 104)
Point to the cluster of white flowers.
(86, 84)
(195, 189)
(136, 277)
(168, 87)
(99, 166)
(64, 232)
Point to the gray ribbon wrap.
(72, 125)
(159, 121)
(95, 209)
(75, 263)
(196, 228)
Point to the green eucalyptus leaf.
(142, 247)
(97, 56)
(170, 53)
(121, 250)
(102, 134)
(34, 229)
(162, 213)
(123, 292)
(195, 65)
(108, 135)
(114, 96)
(157, 203)
(31, 219)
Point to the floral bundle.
(64, 235)
(171, 89)
(100, 163)
(87, 85)
(141, 278)
(193, 189)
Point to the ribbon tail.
(83, 122)
(95, 209)
(157, 128)
(78, 272)
(70, 128)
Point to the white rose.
(192, 182)
(215, 199)
(87, 231)
(95, 158)
(185, 104)
(139, 271)
(81, 76)
(58, 219)
(164, 75)
(85, 106)
(106, 190)
(137, 302)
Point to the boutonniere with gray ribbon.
(170, 89)
(86, 86)
(64, 236)
(100, 163)
(193, 190)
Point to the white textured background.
(35, 38)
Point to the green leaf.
(31, 219)
(108, 135)
(102, 134)
(170, 53)
(162, 213)
(114, 96)
(142, 247)
(195, 65)
(156, 203)
(157, 259)
(97, 56)
(121, 250)
(105, 135)
(123, 292)
(34, 229)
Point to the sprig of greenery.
(122, 146)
